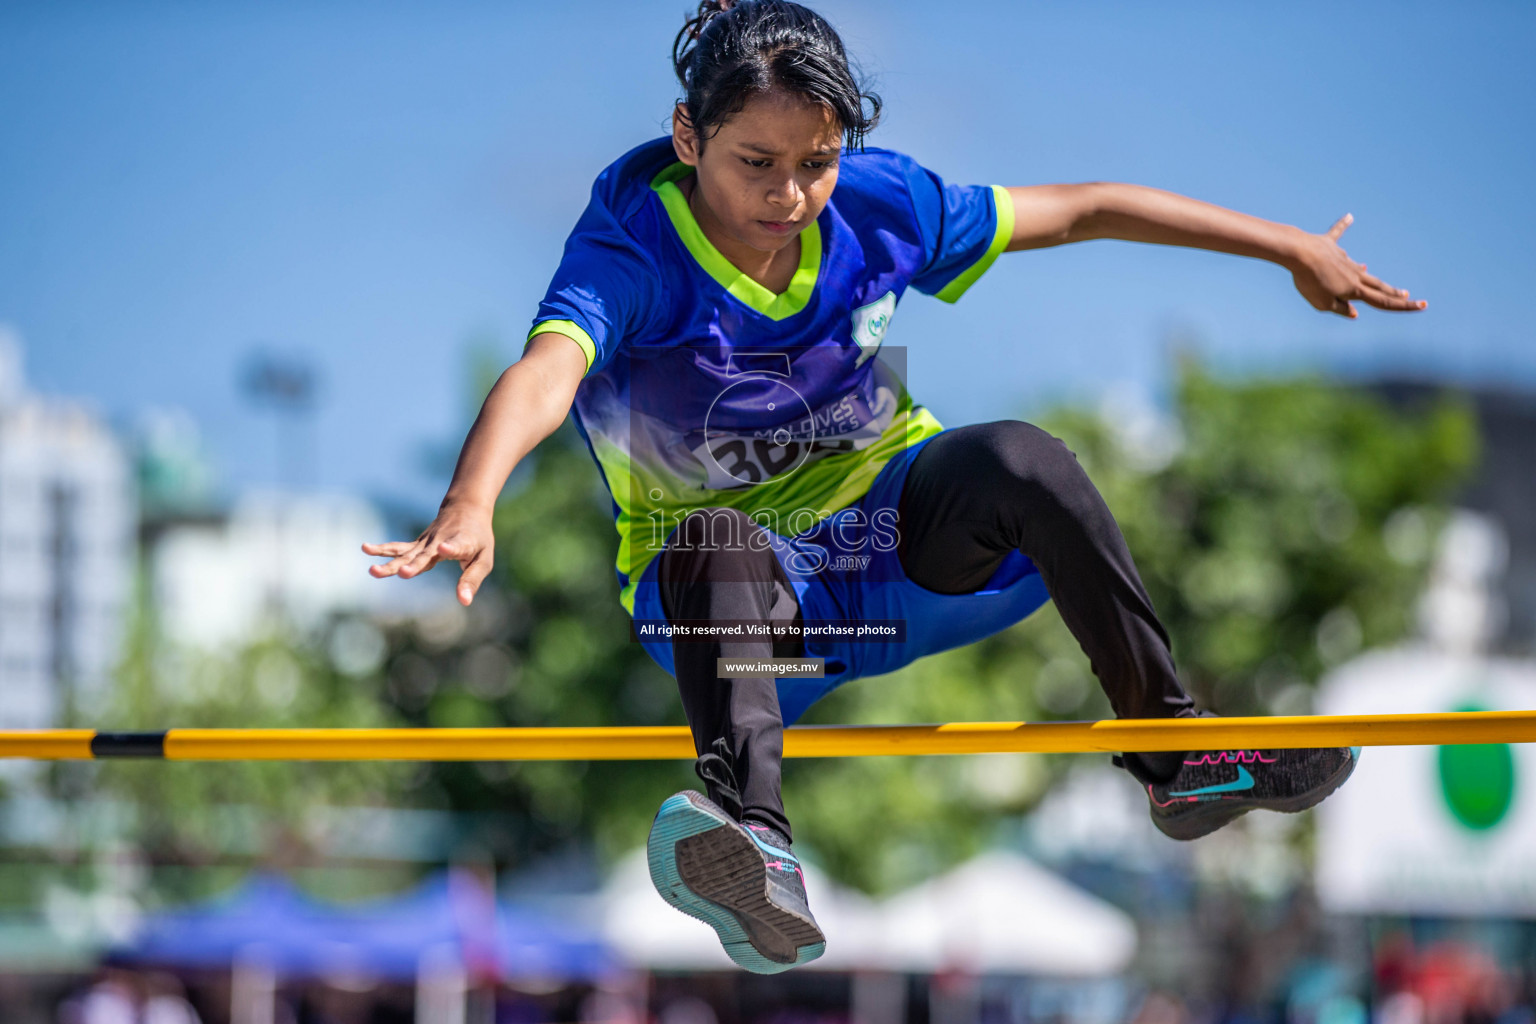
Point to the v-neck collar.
(775, 307)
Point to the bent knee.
(1012, 452)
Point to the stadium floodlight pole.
(653, 743)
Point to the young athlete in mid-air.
(716, 321)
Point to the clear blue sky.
(372, 184)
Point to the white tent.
(1003, 913)
(648, 933)
(998, 913)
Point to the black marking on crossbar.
(128, 744)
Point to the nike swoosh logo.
(1243, 781)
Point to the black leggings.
(972, 495)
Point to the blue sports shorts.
(934, 622)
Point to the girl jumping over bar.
(715, 327)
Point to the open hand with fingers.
(456, 535)
(1330, 280)
(528, 402)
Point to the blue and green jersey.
(703, 388)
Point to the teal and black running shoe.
(1214, 787)
(741, 880)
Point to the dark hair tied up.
(730, 51)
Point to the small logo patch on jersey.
(870, 322)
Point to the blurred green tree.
(238, 813)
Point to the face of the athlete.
(764, 176)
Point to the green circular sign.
(1477, 781)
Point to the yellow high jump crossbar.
(657, 743)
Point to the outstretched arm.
(528, 403)
(1047, 215)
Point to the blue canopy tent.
(295, 935)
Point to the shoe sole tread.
(705, 866)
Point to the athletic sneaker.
(1214, 787)
(740, 879)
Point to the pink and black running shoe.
(1214, 787)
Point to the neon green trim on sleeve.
(1002, 202)
(739, 285)
(570, 330)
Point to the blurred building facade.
(273, 561)
(67, 523)
(224, 571)
(1427, 850)
(1497, 544)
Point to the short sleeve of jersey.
(604, 290)
(963, 227)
